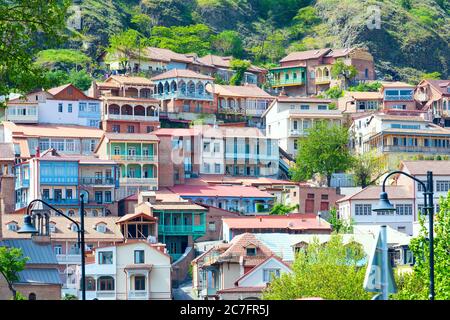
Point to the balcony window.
(116, 128)
(116, 150)
(105, 283)
(98, 196)
(404, 209)
(139, 256)
(130, 129)
(69, 194)
(139, 283)
(363, 209)
(90, 284)
(105, 257)
(45, 194)
(57, 194)
(57, 249)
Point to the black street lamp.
(385, 205)
(29, 227)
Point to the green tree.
(142, 23)
(334, 92)
(183, 39)
(340, 70)
(323, 151)
(305, 19)
(366, 167)
(406, 4)
(239, 66)
(65, 59)
(416, 285)
(12, 262)
(339, 225)
(330, 271)
(364, 87)
(68, 296)
(80, 79)
(432, 76)
(227, 43)
(123, 45)
(22, 26)
(283, 209)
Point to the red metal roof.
(292, 222)
(220, 191)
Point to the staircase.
(285, 162)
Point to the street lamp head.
(28, 227)
(384, 204)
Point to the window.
(304, 107)
(217, 168)
(149, 129)
(442, 186)
(12, 226)
(70, 145)
(404, 209)
(69, 108)
(216, 147)
(108, 197)
(105, 257)
(57, 194)
(52, 227)
(212, 226)
(131, 151)
(32, 296)
(74, 227)
(98, 196)
(101, 228)
(324, 197)
(139, 283)
(401, 228)
(295, 144)
(60, 107)
(130, 129)
(94, 123)
(322, 107)
(116, 150)
(310, 196)
(420, 187)
(206, 146)
(116, 128)
(105, 284)
(57, 249)
(139, 256)
(82, 106)
(251, 251)
(69, 194)
(363, 209)
(270, 274)
(206, 167)
(90, 284)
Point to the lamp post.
(385, 205)
(29, 228)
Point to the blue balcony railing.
(24, 183)
(59, 180)
(180, 95)
(62, 201)
(181, 229)
(97, 181)
(407, 97)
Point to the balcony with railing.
(400, 97)
(181, 229)
(323, 80)
(416, 149)
(99, 181)
(131, 117)
(20, 205)
(137, 181)
(68, 258)
(61, 201)
(22, 183)
(138, 295)
(105, 295)
(134, 157)
(288, 76)
(184, 95)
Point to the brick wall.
(43, 292)
(139, 127)
(314, 197)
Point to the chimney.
(38, 152)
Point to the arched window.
(74, 227)
(105, 283)
(166, 87)
(160, 88)
(94, 213)
(71, 213)
(191, 88)
(101, 227)
(32, 296)
(173, 86)
(90, 284)
(182, 87)
(200, 88)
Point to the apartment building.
(313, 199)
(288, 119)
(247, 100)
(127, 104)
(65, 139)
(183, 94)
(134, 270)
(222, 265)
(398, 95)
(309, 72)
(222, 69)
(137, 157)
(398, 137)
(62, 105)
(60, 180)
(434, 95)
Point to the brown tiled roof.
(165, 55)
(54, 130)
(238, 246)
(224, 62)
(291, 222)
(177, 132)
(421, 167)
(440, 85)
(240, 91)
(131, 80)
(305, 55)
(181, 73)
(373, 193)
(63, 230)
(338, 53)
